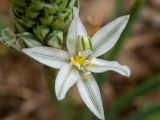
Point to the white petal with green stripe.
(66, 78)
(49, 56)
(76, 29)
(100, 66)
(107, 37)
(90, 93)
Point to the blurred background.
(26, 95)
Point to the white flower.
(80, 60)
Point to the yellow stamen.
(80, 61)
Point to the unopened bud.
(20, 26)
(9, 39)
(41, 32)
(36, 5)
(28, 40)
(73, 3)
(55, 39)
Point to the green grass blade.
(145, 114)
(125, 100)
(118, 8)
(133, 16)
(86, 114)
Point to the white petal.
(102, 66)
(66, 78)
(90, 93)
(49, 56)
(76, 29)
(107, 37)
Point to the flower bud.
(20, 26)
(73, 3)
(36, 5)
(62, 4)
(41, 32)
(28, 40)
(10, 40)
(55, 39)
(29, 13)
(28, 22)
(62, 20)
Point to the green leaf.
(145, 114)
(125, 100)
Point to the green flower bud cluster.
(45, 20)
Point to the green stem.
(86, 114)
(50, 75)
(118, 8)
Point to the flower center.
(78, 61)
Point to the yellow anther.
(80, 61)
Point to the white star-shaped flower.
(80, 60)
